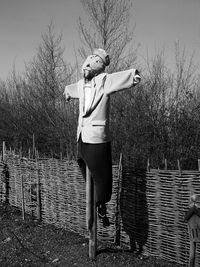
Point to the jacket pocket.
(98, 123)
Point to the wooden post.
(36, 153)
(165, 164)
(148, 165)
(22, 192)
(192, 254)
(3, 151)
(20, 152)
(33, 145)
(117, 214)
(91, 217)
(198, 164)
(3, 159)
(179, 166)
(38, 195)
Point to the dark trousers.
(99, 161)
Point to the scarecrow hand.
(67, 96)
(136, 78)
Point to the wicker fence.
(62, 192)
(146, 210)
(168, 194)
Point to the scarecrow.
(94, 144)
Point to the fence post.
(198, 164)
(22, 191)
(192, 254)
(117, 223)
(179, 166)
(148, 165)
(165, 164)
(3, 151)
(33, 145)
(38, 194)
(91, 217)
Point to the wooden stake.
(38, 195)
(192, 254)
(179, 166)
(20, 153)
(165, 164)
(33, 145)
(3, 151)
(22, 191)
(198, 164)
(148, 165)
(91, 217)
(117, 214)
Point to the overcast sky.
(159, 23)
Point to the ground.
(31, 243)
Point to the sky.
(159, 24)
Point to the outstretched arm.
(121, 80)
(71, 91)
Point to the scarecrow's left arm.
(121, 80)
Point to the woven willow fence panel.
(151, 204)
(63, 200)
(168, 194)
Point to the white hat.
(103, 55)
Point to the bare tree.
(47, 72)
(46, 77)
(109, 24)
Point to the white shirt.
(87, 98)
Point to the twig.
(27, 249)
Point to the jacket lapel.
(96, 85)
(92, 95)
(81, 95)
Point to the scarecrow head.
(95, 63)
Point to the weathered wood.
(33, 146)
(198, 164)
(3, 151)
(192, 254)
(22, 192)
(38, 196)
(91, 214)
(148, 165)
(179, 166)
(165, 164)
(117, 214)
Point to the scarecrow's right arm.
(71, 91)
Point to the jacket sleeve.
(71, 91)
(121, 80)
